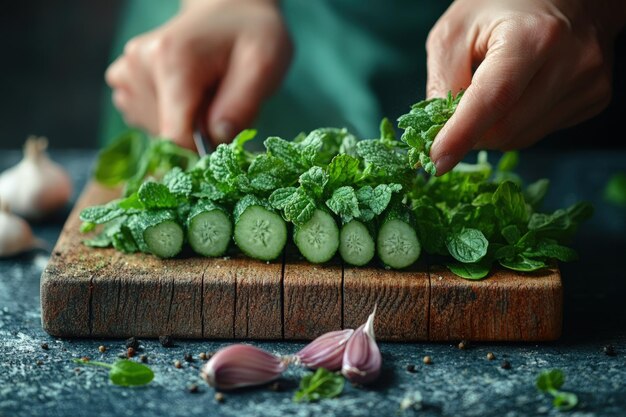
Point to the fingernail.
(444, 164)
(223, 131)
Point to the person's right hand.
(237, 49)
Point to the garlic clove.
(326, 351)
(16, 236)
(362, 359)
(241, 365)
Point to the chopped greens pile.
(332, 193)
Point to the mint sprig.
(550, 382)
(124, 372)
(319, 385)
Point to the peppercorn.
(130, 352)
(177, 364)
(463, 344)
(193, 388)
(102, 349)
(132, 342)
(39, 362)
(202, 356)
(609, 350)
(427, 360)
(219, 397)
(490, 356)
(505, 365)
(143, 358)
(275, 386)
(85, 359)
(165, 341)
(188, 357)
(45, 346)
(411, 368)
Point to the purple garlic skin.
(240, 365)
(326, 351)
(362, 359)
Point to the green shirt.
(355, 62)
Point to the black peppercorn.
(188, 357)
(411, 368)
(45, 346)
(132, 342)
(609, 350)
(505, 365)
(143, 358)
(165, 341)
(193, 388)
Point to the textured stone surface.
(457, 383)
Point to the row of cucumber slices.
(261, 233)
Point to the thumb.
(252, 74)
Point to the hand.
(529, 67)
(233, 52)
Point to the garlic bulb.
(36, 186)
(16, 235)
(362, 359)
(326, 351)
(240, 365)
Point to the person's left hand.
(529, 68)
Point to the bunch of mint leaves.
(472, 217)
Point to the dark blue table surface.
(38, 382)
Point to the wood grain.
(100, 292)
(504, 306)
(401, 297)
(312, 298)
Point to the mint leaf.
(178, 182)
(467, 245)
(313, 181)
(120, 160)
(476, 270)
(155, 195)
(422, 124)
(522, 263)
(343, 170)
(319, 385)
(615, 190)
(550, 382)
(536, 192)
(509, 202)
(344, 203)
(124, 372)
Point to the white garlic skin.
(16, 235)
(36, 186)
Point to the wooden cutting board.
(89, 292)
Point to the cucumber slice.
(259, 232)
(356, 244)
(397, 242)
(164, 239)
(318, 239)
(209, 232)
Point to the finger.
(253, 72)
(117, 73)
(448, 61)
(178, 94)
(513, 57)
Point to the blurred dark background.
(54, 55)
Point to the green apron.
(354, 63)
